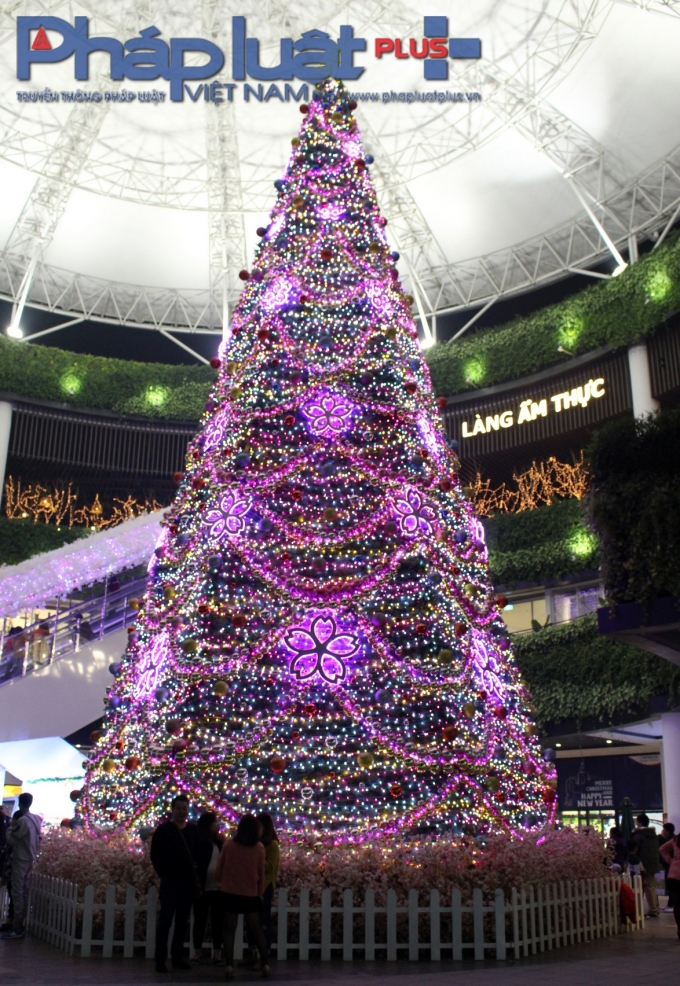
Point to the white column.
(670, 730)
(5, 429)
(640, 382)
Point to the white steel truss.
(223, 179)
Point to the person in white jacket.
(23, 836)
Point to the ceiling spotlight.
(15, 332)
(609, 742)
(619, 270)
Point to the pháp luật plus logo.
(313, 57)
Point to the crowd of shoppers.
(645, 854)
(219, 878)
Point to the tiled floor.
(650, 957)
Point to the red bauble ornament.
(481, 695)
(238, 620)
(75, 795)
(177, 477)
(501, 601)
(65, 823)
(548, 795)
(174, 726)
(500, 712)
(441, 403)
(460, 629)
(410, 387)
(352, 105)
(445, 485)
(421, 629)
(244, 275)
(449, 733)
(132, 763)
(326, 255)
(304, 108)
(262, 335)
(359, 164)
(216, 362)
(203, 609)
(500, 797)
(261, 230)
(310, 709)
(396, 791)
(289, 420)
(296, 495)
(295, 735)
(277, 764)
(179, 746)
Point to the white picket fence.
(535, 919)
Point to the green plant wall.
(153, 390)
(574, 673)
(551, 542)
(615, 312)
(22, 539)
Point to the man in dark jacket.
(172, 846)
(646, 839)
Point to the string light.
(537, 486)
(59, 507)
(319, 636)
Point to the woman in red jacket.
(240, 873)
(670, 852)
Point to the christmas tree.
(319, 636)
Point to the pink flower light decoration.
(277, 294)
(331, 210)
(413, 514)
(487, 666)
(320, 648)
(329, 415)
(154, 658)
(229, 515)
(379, 298)
(214, 432)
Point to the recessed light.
(609, 742)
(558, 744)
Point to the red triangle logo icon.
(42, 42)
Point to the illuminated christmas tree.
(319, 637)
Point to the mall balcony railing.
(72, 626)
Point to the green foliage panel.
(551, 542)
(21, 539)
(635, 506)
(151, 389)
(614, 312)
(574, 673)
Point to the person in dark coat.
(618, 847)
(207, 849)
(172, 847)
(645, 838)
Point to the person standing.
(270, 841)
(23, 835)
(617, 846)
(240, 871)
(667, 835)
(207, 849)
(172, 846)
(670, 852)
(647, 842)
